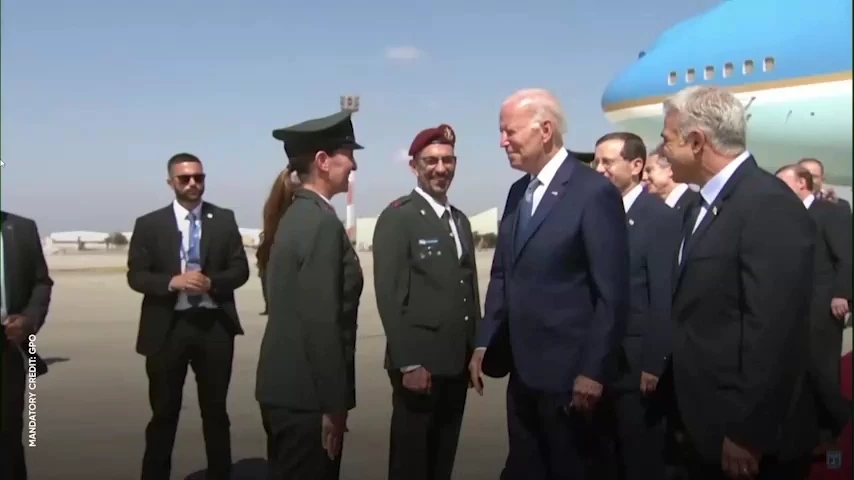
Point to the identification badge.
(428, 241)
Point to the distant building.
(251, 237)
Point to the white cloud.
(403, 54)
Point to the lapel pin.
(631, 222)
(714, 211)
(422, 212)
(554, 193)
(210, 215)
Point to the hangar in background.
(482, 223)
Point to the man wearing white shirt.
(654, 234)
(743, 290)
(187, 259)
(425, 279)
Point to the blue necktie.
(526, 209)
(193, 259)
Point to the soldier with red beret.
(425, 280)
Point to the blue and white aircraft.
(789, 61)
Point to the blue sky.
(97, 95)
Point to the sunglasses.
(198, 178)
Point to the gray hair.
(545, 106)
(660, 159)
(715, 112)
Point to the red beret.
(441, 134)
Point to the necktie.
(193, 257)
(691, 220)
(526, 209)
(446, 219)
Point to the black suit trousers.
(199, 339)
(13, 465)
(425, 428)
(294, 448)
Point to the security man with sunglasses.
(187, 259)
(425, 280)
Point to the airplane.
(788, 61)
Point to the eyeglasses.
(198, 178)
(447, 160)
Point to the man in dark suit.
(24, 299)
(742, 297)
(558, 295)
(427, 295)
(654, 235)
(187, 259)
(816, 169)
(660, 182)
(832, 296)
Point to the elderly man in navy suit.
(557, 303)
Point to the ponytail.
(280, 199)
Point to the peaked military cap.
(326, 133)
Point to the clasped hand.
(193, 282)
(16, 328)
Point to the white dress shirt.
(712, 189)
(183, 221)
(440, 210)
(675, 195)
(808, 201)
(546, 175)
(632, 195)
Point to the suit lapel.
(554, 191)
(10, 266)
(208, 223)
(713, 211)
(173, 239)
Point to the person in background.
(25, 291)
(832, 297)
(736, 381)
(654, 235)
(274, 209)
(187, 259)
(558, 293)
(429, 304)
(660, 182)
(306, 378)
(820, 189)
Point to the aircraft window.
(671, 79)
(768, 65)
(728, 70)
(689, 75)
(709, 73)
(747, 68)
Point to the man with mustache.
(427, 295)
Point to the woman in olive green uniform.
(306, 369)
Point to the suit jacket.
(654, 236)
(558, 297)
(741, 306)
(833, 250)
(427, 297)
(154, 257)
(688, 198)
(314, 284)
(28, 283)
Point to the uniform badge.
(449, 134)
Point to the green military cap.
(326, 133)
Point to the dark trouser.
(548, 441)
(199, 339)
(640, 438)
(425, 428)
(693, 467)
(826, 348)
(294, 448)
(13, 465)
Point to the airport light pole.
(350, 103)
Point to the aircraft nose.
(625, 87)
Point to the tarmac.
(92, 407)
